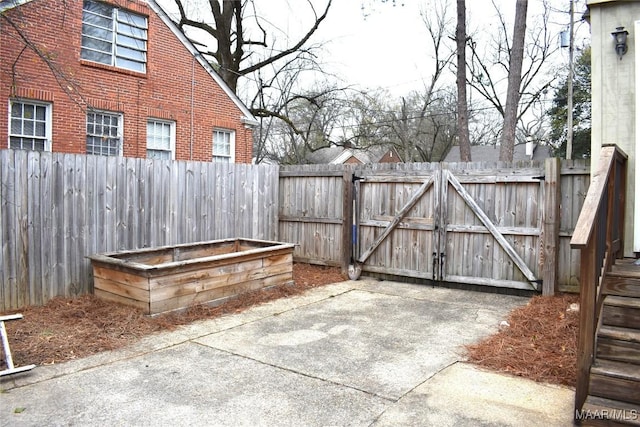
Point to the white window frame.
(218, 157)
(48, 127)
(119, 132)
(117, 38)
(152, 144)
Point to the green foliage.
(581, 111)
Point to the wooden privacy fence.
(487, 224)
(56, 209)
(505, 225)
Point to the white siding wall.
(614, 97)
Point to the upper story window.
(30, 126)
(161, 139)
(114, 36)
(104, 133)
(223, 146)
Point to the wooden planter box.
(174, 277)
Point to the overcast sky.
(373, 44)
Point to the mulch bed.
(539, 343)
(71, 328)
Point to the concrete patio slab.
(355, 353)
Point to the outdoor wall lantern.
(620, 36)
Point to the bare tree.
(490, 68)
(461, 82)
(241, 41)
(421, 127)
(507, 141)
(235, 49)
(306, 122)
(21, 36)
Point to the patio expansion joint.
(414, 388)
(306, 375)
(273, 313)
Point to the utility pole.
(570, 87)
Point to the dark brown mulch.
(71, 328)
(540, 342)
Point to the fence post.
(347, 218)
(551, 229)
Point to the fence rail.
(56, 209)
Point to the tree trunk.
(507, 141)
(461, 82)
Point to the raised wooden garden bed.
(175, 277)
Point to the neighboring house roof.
(361, 156)
(491, 153)
(324, 155)
(248, 118)
(340, 155)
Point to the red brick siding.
(389, 157)
(352, 160)
(165, 91)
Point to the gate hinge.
(539, 178)
(355, 178)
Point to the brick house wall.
(176, 86)
(391, 156)
(352, 161)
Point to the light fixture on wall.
(620, 36)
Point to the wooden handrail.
(599, 236)
(595, 196)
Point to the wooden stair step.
(619, 333)
(622, 351)
(600, 411)
(626, 266)
(615, 380)
(625, 302)
(621, 311)
(623, 279)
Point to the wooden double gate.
(473, 226)
(494, 224)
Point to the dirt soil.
(539, 343)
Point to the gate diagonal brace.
(517, 260)
(393, 224)
(11, 369)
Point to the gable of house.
(340, 155)
(151, 94)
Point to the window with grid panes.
(114, 36)
(104, 133)
(223, 146)
(30, 126)
(160, 139)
